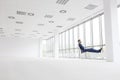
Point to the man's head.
(79, 41)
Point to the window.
(96, 31)
(103, 29)
(91, 34)
(88, 33)
(75, 37)
(71, 38)
(81, 34)
(67, 50)
(67, 39)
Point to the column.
(111, 31)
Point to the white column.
(111, 30)
(56, 49)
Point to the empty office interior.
(39, 39)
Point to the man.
(83, 49)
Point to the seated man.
(88, 50)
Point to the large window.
(92, 35)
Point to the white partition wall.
(18, 47)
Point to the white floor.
(48, 69)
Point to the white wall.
(19, 47)
(33, 69)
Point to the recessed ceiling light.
(62, 2)
(11, 17)
(25, 13)
(62, 11)
(59, 26)
(31, 14)
(50, 32)
(21, 13)
(1, 32)
(51, 21)
(45, 35)
(16, 36)
(17, 29)
(38, 33)
(91, 6)
(19, 22)
(40, 24)
(48, 16)
(1, 28)
(17, 33)
(32, 34)
(35, 31)
(71, 19)
(3, 35)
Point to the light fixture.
(3, 35)
(17, 33)
(59, 26)
(1, 32)
(16, 36)
(51, 21)
(31, 14)
(21, 13)
(25, 13)
(48, 16)
(62, 2)
(71, 19)
(35, 31)
(40, 24)
(90, 6)
(38, 33)
(17, 29)
(50, 32)
(45, 35)
(19, 22)
(11, 17)
(1, 28)
(62, 11)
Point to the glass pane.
(103, 29)
(60, 42)
(88, 33)
(81, 34)
(44, 47)
(96, 32)
(76, 37)
(71, 38)
(67, 40)
(63, 40)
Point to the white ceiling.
(39, 25)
